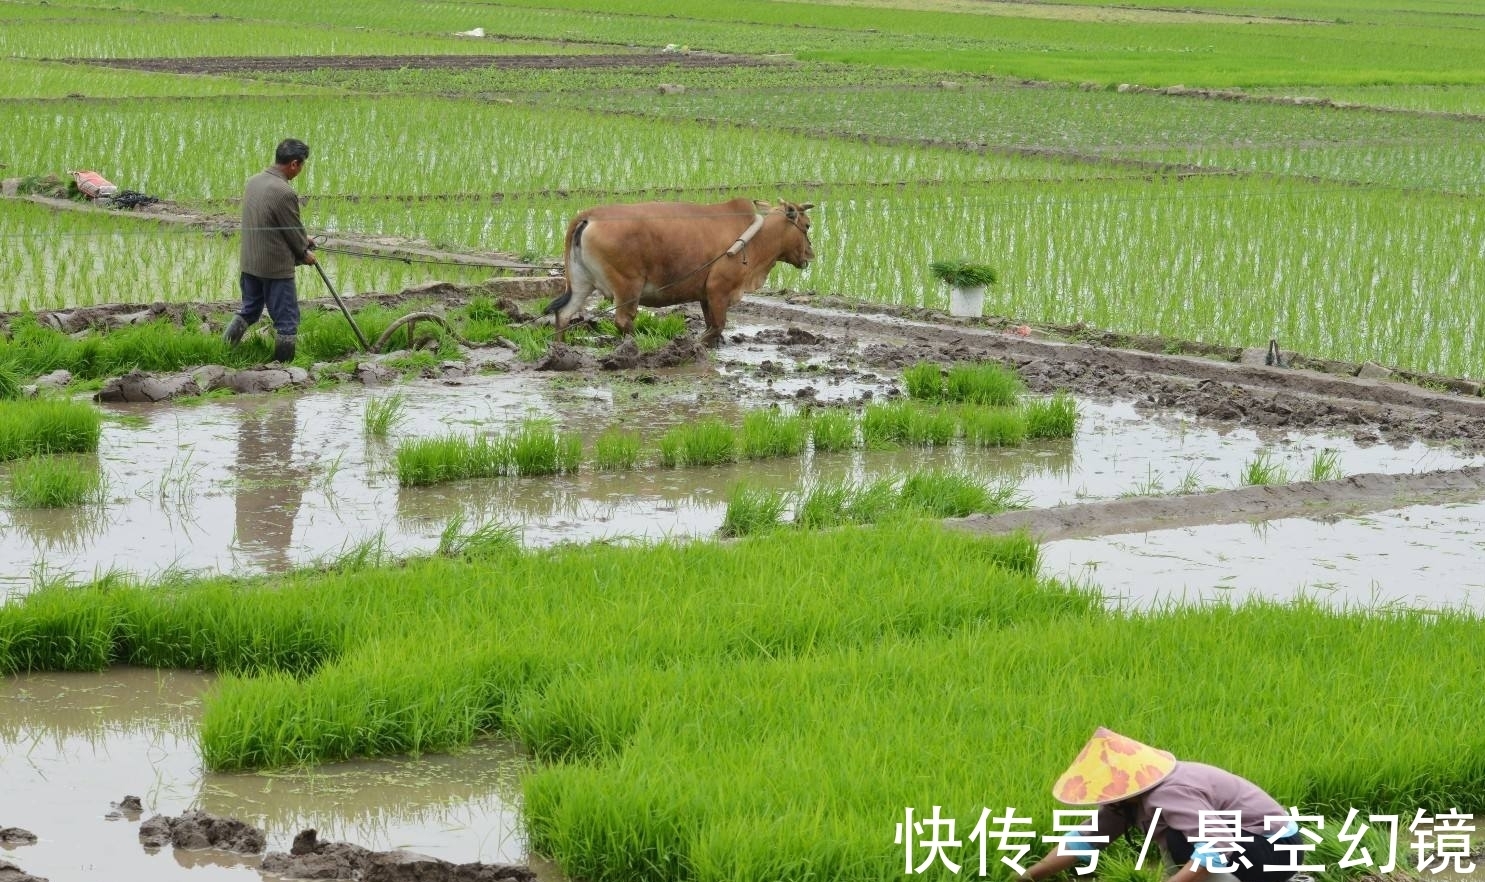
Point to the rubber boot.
(235, 329)
(283, 348)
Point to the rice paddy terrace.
(623, 610)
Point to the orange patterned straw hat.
(1111, 768)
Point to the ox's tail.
(574, 241)
(558, 303)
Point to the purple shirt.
(1189, 790)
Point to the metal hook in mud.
(411, 320)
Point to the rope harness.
(742, 243)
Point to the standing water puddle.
(263, 483)
(1423, 556)
(71, 745)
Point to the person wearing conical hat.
(1137, 787)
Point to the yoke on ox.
(665, 253)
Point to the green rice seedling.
(1055, 417)
(924, 381)
(616, 450)
(54, 482)
(710, 442)
(945, 494)
(453, 457)
(47, 425)
(10, 382)
(884, 425)
(874, 501)
(1018, 552)
(1190, 482)
(703, 443)
(993, 426)
(483, 309)
(431, 460)
(770, 433)
(650, 342)
(653, 331)
(832, 429)
(1153, 484)
(931, 427)
(367, 554)
(752, 510)
(413, 362)
(672, 447)
(823, 505)
(532, 342)
(383, 413)
(488, 540)
(989, 384)
(537, 448)
(1326, 465)
(1262, 470)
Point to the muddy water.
(263, 483)
(1426, 556)
(71, 745)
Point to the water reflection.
(68, 530)
(269, 485)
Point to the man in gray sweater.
(273, 243)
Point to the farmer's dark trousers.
(1258, 852)
(278, 295)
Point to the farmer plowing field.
(273, 244)
(1205, 820)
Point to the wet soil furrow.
(950, 340)
(1351, 496)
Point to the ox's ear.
(806, 206)
(761, 205)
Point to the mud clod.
(10, 836)
(561, 357)
(11, 873)
(198, 829)
(127, 808)
(266, 379)
(799, 337)
(305, 842)
(684, 349)
(624, 357)
(142, 387)
(310, 858)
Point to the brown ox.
(664, 253)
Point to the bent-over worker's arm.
(1188, 874)
(1051, 865)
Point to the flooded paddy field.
(254, 484)
(263, 483)
(1419, 556)
(75, 744)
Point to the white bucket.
(967, 301)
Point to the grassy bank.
(769, 709)
(437, 634)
